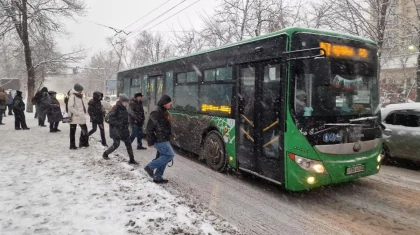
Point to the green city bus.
(298, 107)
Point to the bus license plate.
(355, 169)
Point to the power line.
(151, 21)
(117, 31)
(172, 15)
(147, 14)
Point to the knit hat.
(123, 98)
(78, 87)
(138, 94)
(165, 99)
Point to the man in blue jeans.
(158, 136)
(136, 119)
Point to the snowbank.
(48, 189)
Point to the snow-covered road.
(48, 189)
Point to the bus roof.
(288, 31)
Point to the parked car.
(402, 130)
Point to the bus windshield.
(335, 88)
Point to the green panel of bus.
(298, 107)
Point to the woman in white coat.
(77, 112)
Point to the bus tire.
(214, 151)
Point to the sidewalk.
(48, 189)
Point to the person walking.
(37, 101)
(19, 111)
(118, 128)
(54, 112)
(97, 113)
(136, 119)
(10, 103)
(77, 112)
(3, 103)
(158, 135)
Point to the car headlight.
(308, 164)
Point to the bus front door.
(259, 143)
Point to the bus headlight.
(379, 157)
(308, 164)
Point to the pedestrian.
(37, 101)
(19, 111)
(3, 103)
(77, 112)
(54, 112)
(158, 135)
(43, 109)
(97, 113)
(136, 119)
(10, 103)
(118, 128)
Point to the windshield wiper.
(363, 119)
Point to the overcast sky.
(121, 13)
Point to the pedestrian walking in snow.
(10, 103)
(19, 111)
(37, 101)
(136, 119)
(77, 112)
(54, 112)
(3, 103)
(158, 135)
(97, 113)
(118, 128)
(44, 108)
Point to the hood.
(96, 96)
(1, 89)
(165, 99)
(44, 89)
(18, 93)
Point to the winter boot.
(73, 148)
(105, 156)
(160, 181)
(149, 171)
(133, 162)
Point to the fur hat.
(138, 94)
(123, 98)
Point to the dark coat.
(118, 122)
(54, 110)
(136, 112)
(39, 95)
(95, 110)
(44, 104)
(18, 104)
(159, 125)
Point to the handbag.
(68, 119)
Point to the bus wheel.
(214, 151)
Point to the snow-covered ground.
(48, 189)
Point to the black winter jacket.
(54, 111)
(158, 126)
(18, 104)
(118, 122)
(136, 112)
(95, 109)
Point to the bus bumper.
(298, 179)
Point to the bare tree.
(149, 48)
(37, 17)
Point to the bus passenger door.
(259, 146)
(155, 91)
